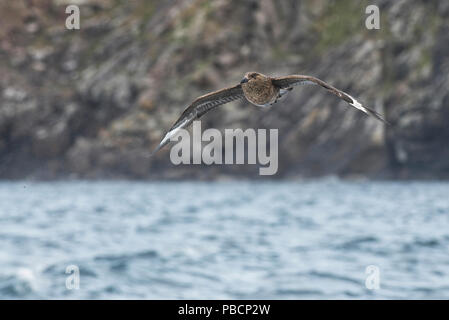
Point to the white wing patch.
(173, 132)
(357, 104)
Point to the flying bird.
(259, 90)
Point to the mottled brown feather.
(202, 105)
(209, 101)
(289, 82)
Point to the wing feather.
(199, 107)
(291, 81)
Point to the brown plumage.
(259, 90)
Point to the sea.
(314, 239)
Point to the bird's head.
(252, 76)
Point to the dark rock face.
(92, 103)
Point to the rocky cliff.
(92, 103)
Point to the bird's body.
(260, 90)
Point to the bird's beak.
(244, 80)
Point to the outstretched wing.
(289, 82)
(200, 106)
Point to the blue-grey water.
(243, 240)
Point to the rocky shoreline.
(92, 103)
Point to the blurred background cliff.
(92, 103)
